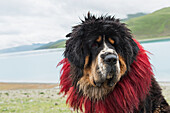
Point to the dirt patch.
(14, 86)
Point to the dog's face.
(100, 52)
(104, 65)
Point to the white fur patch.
(101, 64)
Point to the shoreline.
(34, 85)
(17, 86)
(28, 83)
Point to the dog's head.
(100, 51)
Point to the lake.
(40, 66)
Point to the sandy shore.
(15, 86)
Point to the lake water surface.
(40, 65)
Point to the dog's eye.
(95, 45)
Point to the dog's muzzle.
(108, 69)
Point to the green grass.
(156, 24)
(41, 101)
(33, 101)
(58, 45)
(38, 105)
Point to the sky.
(24, 22)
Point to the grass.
(58, 45)
(39, 100)
(32, 99)
(156, 24)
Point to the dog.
(105, 70)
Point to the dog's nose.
(110, 59)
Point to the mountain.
(56, 44)
(129, 16)
(21, 48)
(143, 26)
(154, 25)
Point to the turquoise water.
(40, 65)
(32, 66)
(160, 59)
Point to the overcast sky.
(23, 22)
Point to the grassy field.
(33, 98)
(156, 24)
(57, 44)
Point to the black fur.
(154, 101)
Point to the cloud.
(40, 21)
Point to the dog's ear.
(75, 52)
(75, 49)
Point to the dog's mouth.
(112, 74)
(112, 77)
(109, 82)
(108, 77)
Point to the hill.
(57, 44)
(156, 24)
(129, 16)
(21, 48)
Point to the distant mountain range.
(21, 48)
(57, 44)
(143, 26)
(129, 16)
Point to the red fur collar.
(126, 95)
